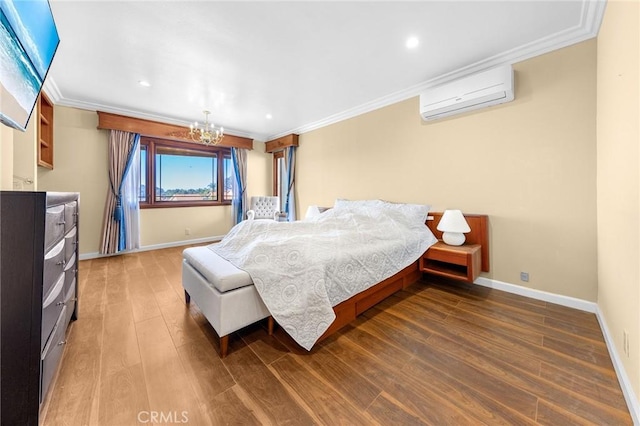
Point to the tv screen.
(28, 42)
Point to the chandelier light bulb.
(208, 134)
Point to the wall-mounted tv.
(28, 41)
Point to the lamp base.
(453, 238)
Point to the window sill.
(170, 204)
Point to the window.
(181, 174)
(279, 178)
(143, 174)
(228, 178)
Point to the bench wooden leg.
(270, 324)
(187, 297)
(224, 345)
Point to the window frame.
(151, 144)
(276, 171)
(277, 176)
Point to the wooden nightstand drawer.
(458, 262)
(449, 256)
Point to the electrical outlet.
(524, 276)
(187, 231)
(625, 342)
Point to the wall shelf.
(45, 132)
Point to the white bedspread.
(302, 269)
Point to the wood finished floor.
(437, 353)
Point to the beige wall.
(25, 154)
(6, 157)
(259, 171)
(161, 226)
(618, 185)
(529, 164)
(80, 165)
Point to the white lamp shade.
(453, 221)
(453, 225)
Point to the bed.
(312, 277)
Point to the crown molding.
(588, 27)
(50, 88)
(92, 106)
(591, 17)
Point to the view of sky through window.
(185, 171)
(184, 175)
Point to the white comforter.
(302, 269)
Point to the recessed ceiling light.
(268, 116)
(144, 83)
(412, 42)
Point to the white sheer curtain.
(131, 202)
(290, 181)
(239, 158)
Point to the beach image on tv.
(28, 41)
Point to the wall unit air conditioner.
(484, 89)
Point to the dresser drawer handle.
(61, 223)
(59, 303)
(63, 342)
(62, 262)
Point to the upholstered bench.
(225, 294)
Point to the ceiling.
(306, 63)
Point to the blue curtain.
(239, 202)
(290, 179)
(122, 148)
(118, 213)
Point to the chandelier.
(207, 134)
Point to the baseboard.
(87, 256)
(570, 302)
(627, 390)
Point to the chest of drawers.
(38, 295)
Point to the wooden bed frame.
(348, 310)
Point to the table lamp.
(453, 225)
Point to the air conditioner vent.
(477, 91)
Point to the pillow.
(312, 211)
(412, 212)
(342, 204)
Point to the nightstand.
(457, 262)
